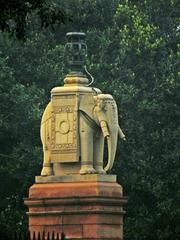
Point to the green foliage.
(20, 153)
(133, 54)
(14, 15)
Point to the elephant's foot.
(100, 170)
(87, 169)
(47, 171)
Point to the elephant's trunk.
(112, 143)
(109, 165)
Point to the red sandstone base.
(84, 210)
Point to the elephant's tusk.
(121, 134)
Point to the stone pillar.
(69, 197)
(82, 207)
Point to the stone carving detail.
(78, 120)
(78, 125)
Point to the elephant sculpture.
(97, 120)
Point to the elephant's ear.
(86, 105)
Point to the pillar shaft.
(81, 210)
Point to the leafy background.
(133, 54)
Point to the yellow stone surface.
(74, 127)
(76, 178)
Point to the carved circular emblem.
(64, 127)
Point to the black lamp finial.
(76, 52)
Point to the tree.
(14, 14)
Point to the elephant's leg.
(86, 143)
(98, 153)
(47, 166)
